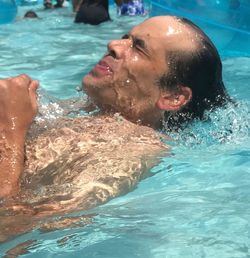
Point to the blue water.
(227, 22)
(197, 203)
(8, 11)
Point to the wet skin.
(125, 80)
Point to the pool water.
(196, 204)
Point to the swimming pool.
(227, 22)
(197, 203)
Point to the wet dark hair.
(48, 5)
(199, 69)
(30, 14)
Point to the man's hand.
(18, 104)
(18, 107)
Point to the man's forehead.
(160, 25)
(168, 30)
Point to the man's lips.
(104, 67)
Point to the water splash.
(49, 108)
(229, 125)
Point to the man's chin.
(90, 80)
(87, 79)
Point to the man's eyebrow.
(136, 41)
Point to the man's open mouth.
(104, 67)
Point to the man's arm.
(18, 107)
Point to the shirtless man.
(164, 72)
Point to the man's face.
(125, 80)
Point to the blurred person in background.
(91, 12)
(130, 7)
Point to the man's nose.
(118, 48)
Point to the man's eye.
(138, 44)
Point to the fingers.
(23, 83)
(33, 96)
(24, 80)
(21, 80)
(32, 89)
(19, 85)
(33, 86)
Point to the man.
(165, 71)
(30, 14)
(49, 5)
(91, 12)
(166, 67)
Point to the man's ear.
(174, 101)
